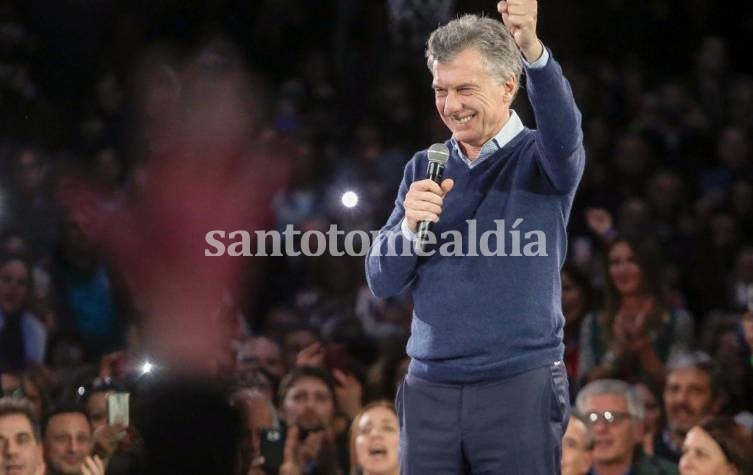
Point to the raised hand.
(349, 392)
(599, 220)
(312, 355)
(93, 466)
(519, 16)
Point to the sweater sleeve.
(391, 261)
(559, 137)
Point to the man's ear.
(510, 89)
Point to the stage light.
(349, 199)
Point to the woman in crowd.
(22, 336)
(374, 440)
(637, 330)
(717, 446)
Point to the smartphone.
(117, 408)
(271, 447)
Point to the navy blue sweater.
(478, 318)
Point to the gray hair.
(21, 407)
(611, 386)
(700, 361)
(490, 37)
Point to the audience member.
(577, 446)
(67, 443)
(717, 446)
(615, 415)
(638, 329)
(23, 338)
(20, 439)
(693, 391)
(375, 440)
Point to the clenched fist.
(519, 16)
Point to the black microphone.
(438, 155)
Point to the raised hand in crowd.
(106, 438)
(93, 466)
(312, 355)
(600, 221)
(349, 393)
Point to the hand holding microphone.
(423, 202)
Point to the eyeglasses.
(609, 417)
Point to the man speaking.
(486, 391)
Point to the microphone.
(438, 155)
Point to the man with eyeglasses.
(614, 412)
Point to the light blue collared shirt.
(512, 127)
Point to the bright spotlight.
(349, 199)
(146, 368)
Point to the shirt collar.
(509, 131)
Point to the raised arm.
(558, 120)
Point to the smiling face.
(472, 104)
(377, 439)
(67, 442)
(624, 269)
(688, 398)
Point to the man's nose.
(681, 397)
(452, 103)
(600, 426)
(9, 448)
(73, 446)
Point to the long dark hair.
(653, 284)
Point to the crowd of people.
(657, 290)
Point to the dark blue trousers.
(512, 426)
